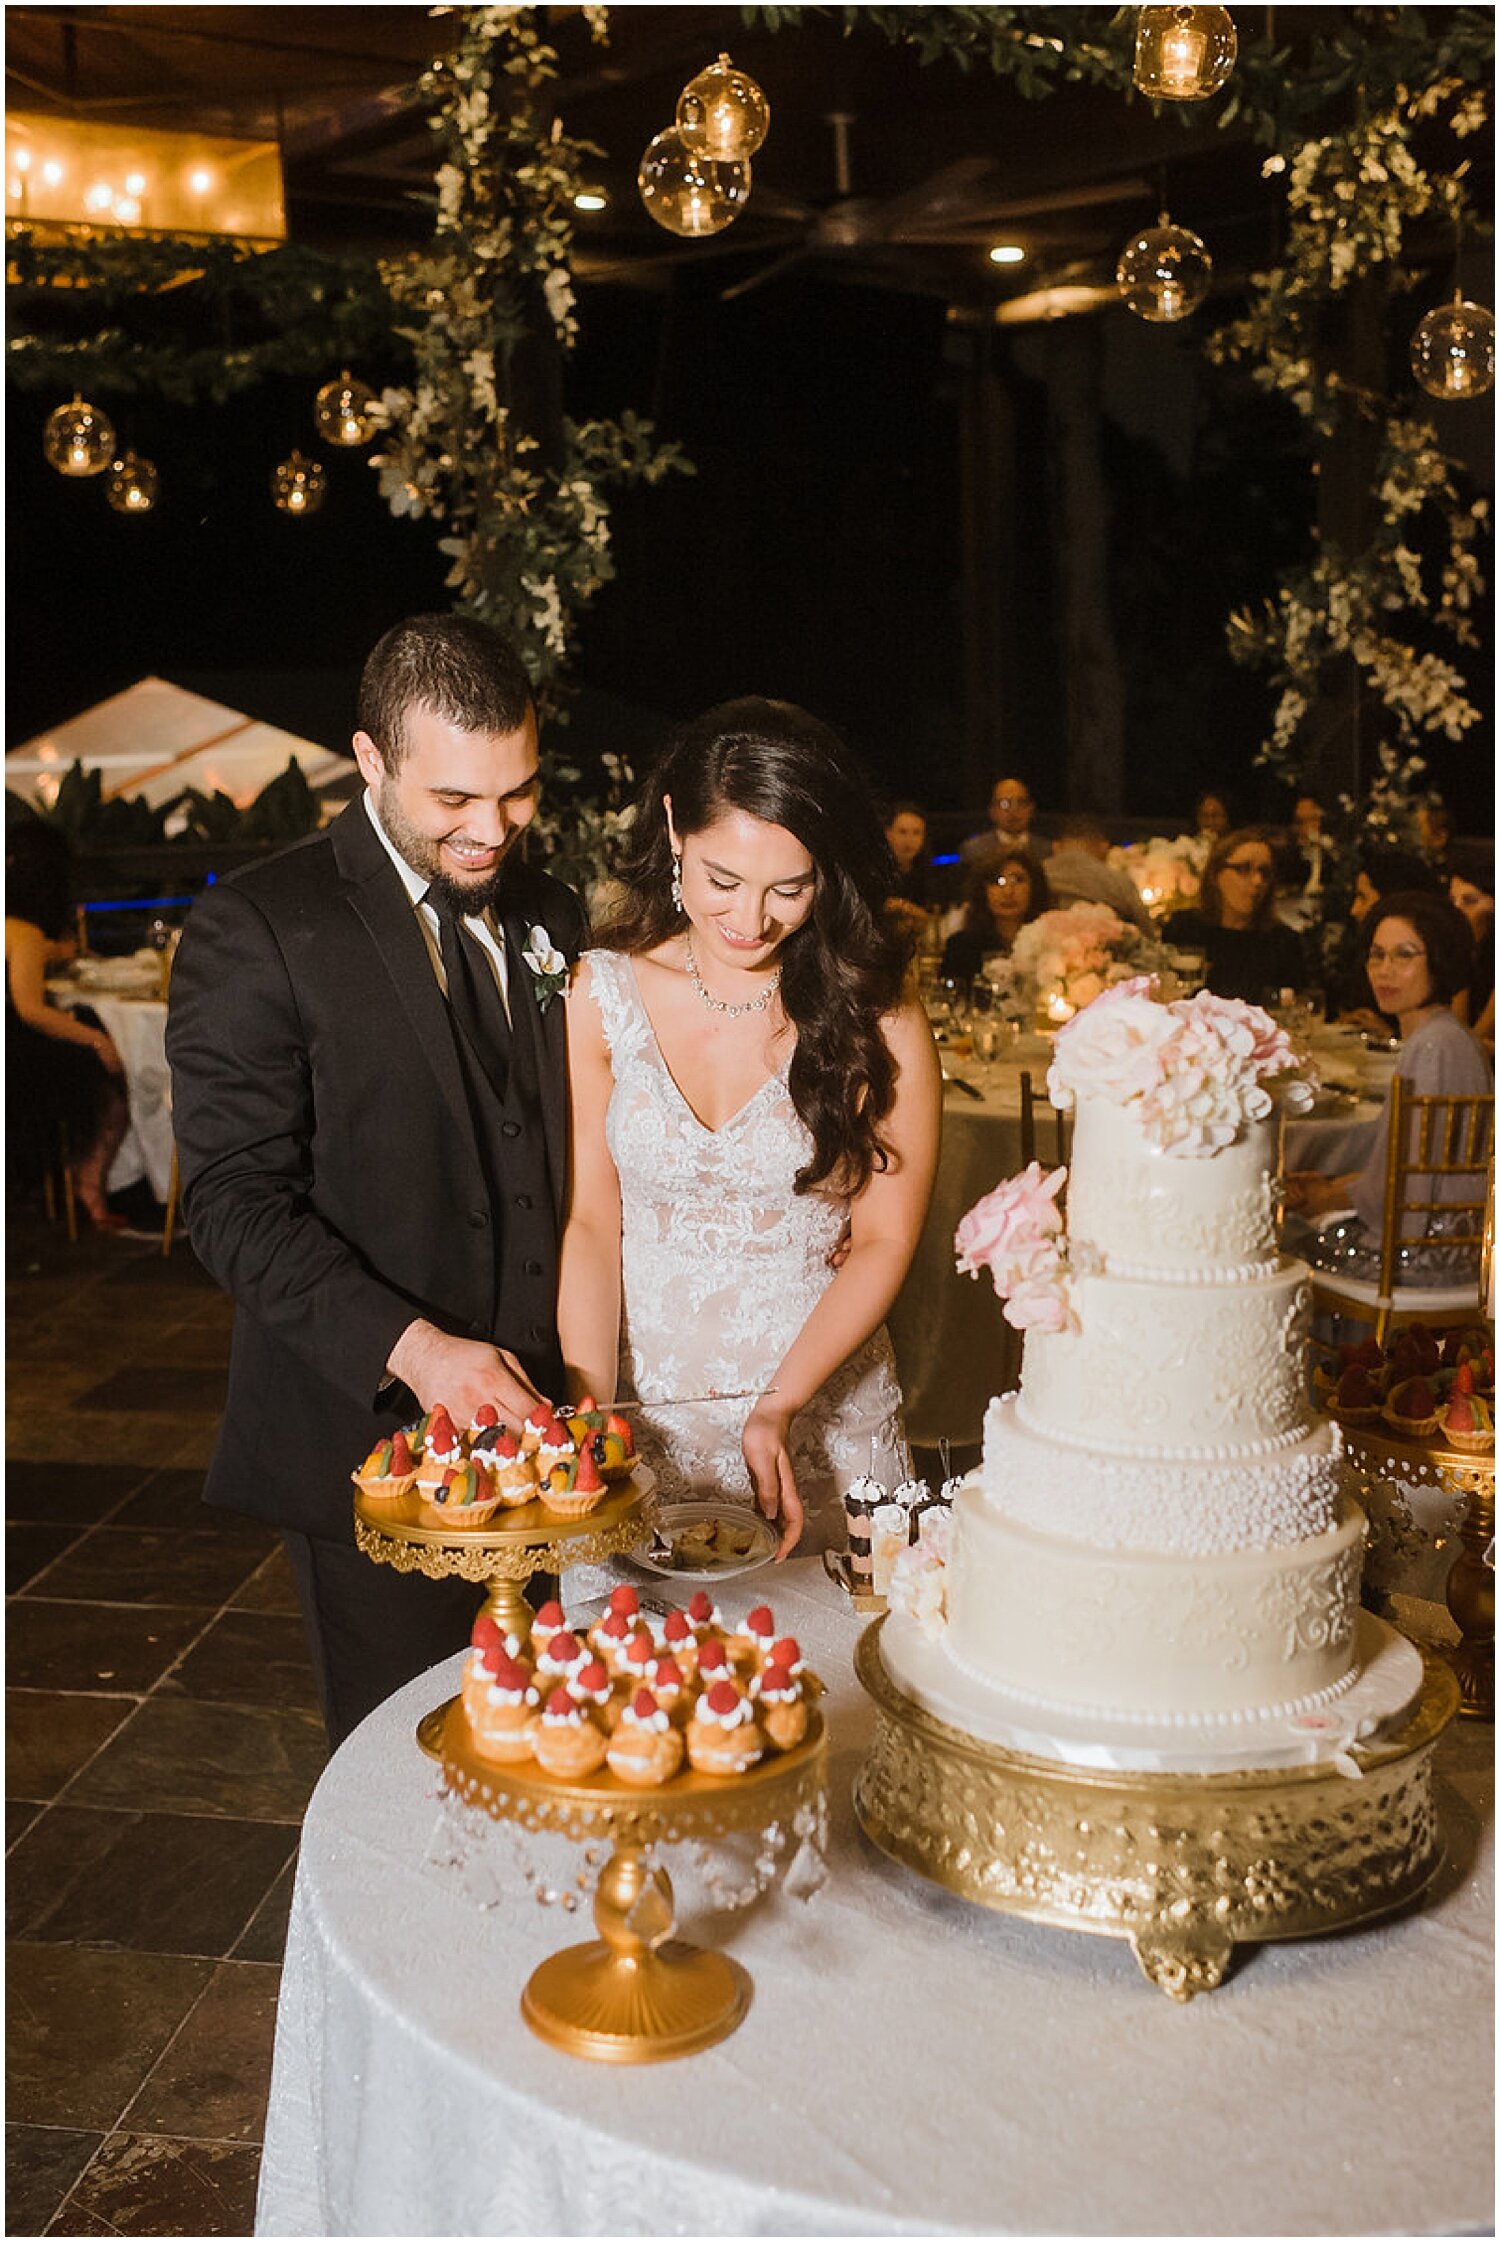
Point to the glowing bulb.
(53, 173)
(1007, 253)
(99, 196)
(135, 182)
(590, 199)
(200, 181)
(128, 210)
(1182, 53)
(23, 159)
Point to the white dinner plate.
(747, 1539)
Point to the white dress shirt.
(427, 919)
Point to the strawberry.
(1415, 1399)
(617, 1626)
(486, 1414)
(675, 1628)
(401, 1462)
(620, 1427)
(440, 1433)
(643, 1704)
(701, 1610)
(586, 1478)
(788, 1652)
(625, 1600)
(508, 1672)
(587, 1406)
(563, 1648)
(485, 1634)
(640, 1649)
(550, 1617)
(777, 1679)
(1356, 1390)
(760, 1623)
(667, 1674)
(723, 1697)
(592, 1677)
(713, 1658)
(1459, 1415)
(1463, 1378)
(561, 1704)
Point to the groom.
(370, 1110)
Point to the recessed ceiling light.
(590, 199)
(1007, 253)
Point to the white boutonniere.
(548, 966)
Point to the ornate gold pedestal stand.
(1387, 1455)
(636, 1994)
(1184, 1866)
(504, 1553)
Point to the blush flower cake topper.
(1194, 1073)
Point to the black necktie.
(473, 996)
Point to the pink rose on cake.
(1193, 1072)
(1115, 1050)
(1013, 1231)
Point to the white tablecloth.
(138, 1028)
(910, 2064)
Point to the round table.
(910, 2064)
(137, 1026)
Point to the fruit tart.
(388, 1471)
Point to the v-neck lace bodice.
(723, 1262)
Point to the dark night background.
(815, 554)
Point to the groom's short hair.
(465, 671)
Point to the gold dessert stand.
(1183, 1866)
(503, 1553)
(636, 1994)
(1385, 1454)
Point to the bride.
(755, 1103)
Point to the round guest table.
(137, 1026)
(909, 2065)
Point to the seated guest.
(1077, 872)
(61, 1069)
(911, 901)
(1001, 899)
(1382, 871)
(1419, 956)
(1303, 866)
(1011, 812)
(1250, 954)
(1471, 889)
(1211, 817)
(1434, 832)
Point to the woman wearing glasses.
(1420, 955)
(1250, 953)
(1002, 897)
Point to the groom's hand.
(461, 1374)
(764, 1444)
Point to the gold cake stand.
(1184, 1866)
(636, 1994)
(1388, 1455)
(503, 1553)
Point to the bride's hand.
(765, 1444)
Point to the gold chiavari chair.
(1439, 1163)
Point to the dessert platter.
(1126, 1685)
(1419, 1411)
(644, 1728)
(489, 1504)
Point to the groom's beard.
(470, 897)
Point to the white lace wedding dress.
(723, 1263)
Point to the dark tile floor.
(162, 1740)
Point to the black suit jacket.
(332, 1178)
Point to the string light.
(1453, 351)
(688, 193)
(78, 439)
(344, 411)
(133, 485)
(722, 113)
(298, 485)
(1164, 273)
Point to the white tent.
(155, 739)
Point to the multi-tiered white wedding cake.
(1158, 1562)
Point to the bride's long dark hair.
(842, 969)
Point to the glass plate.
(746, 1540)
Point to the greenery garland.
(487, 310)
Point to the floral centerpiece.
(1167, 874)
(1195, 1073)
(1069, 957)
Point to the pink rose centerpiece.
(1072, 956)
(1167, 874)
(1194, 1072)
(1016, 1232)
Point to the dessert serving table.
(909, 2064)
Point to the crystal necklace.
(717, 1004)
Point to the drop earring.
(676, 882)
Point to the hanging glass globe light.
(691, 193)
(298, 484)
(1453, 350)
(723, 113)
(1164, 273)
(1184, 54)
(133, 485)
(78, 439)
(344, 411)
